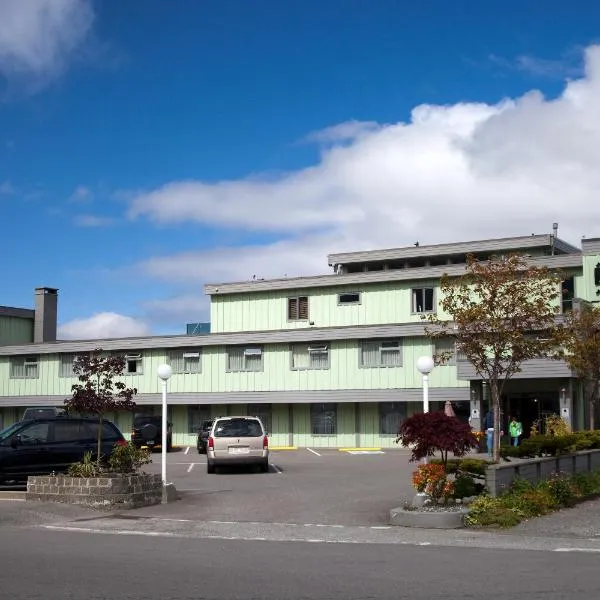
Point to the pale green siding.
(344, 373)
(588, 287)
(369, 435)
(380, 303)
(15, 330)
(346, 428)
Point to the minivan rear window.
(238, 428)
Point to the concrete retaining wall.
(498, 478)
(108, 493)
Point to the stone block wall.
(106, 493)
(498, 478)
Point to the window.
(263, 412)
(567, 294)
(133, 364)
(380, 353)
(349, 298)
(310, 356)
(244, 359)
(445, 347)
(24, 367)
(109, 432)
(36, 433)
(65, 367)
(323, 418)
(196, 416)
(240, 427)
(422, 300)
(391, 415)
(70, 431)
(298, 308)
(185, 361)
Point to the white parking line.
(311, 450)
(187, 450)
(189, 469)
(277, 469)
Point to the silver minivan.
(237, 441)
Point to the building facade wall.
(15, 330)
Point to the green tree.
(502, 313)
(97, 392)
(582, 352)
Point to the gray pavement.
(53, 565)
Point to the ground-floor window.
(263, 412)
(196, 415)
(391, 415)
(323, 418)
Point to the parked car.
(37, 412)
(147, 431)
(50, 444)
(203, 433)
(237, 441)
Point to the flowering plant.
(431, 479)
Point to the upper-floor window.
(185, 361)
(134, 364)
(349, 298)
(444, 348)
(298, 308)
(310, 356)
(422, 300)
(240, 358)
(567, 294)
(380, 353)
(24, 367)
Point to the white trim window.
(240, 358)
(186, 360)
(309, 357)
(24, 367)
(134, 364)
(445, 347)
(423, 300)
(298, 308)
(380, 353)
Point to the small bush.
(475, 466)
(486, 511)
(562, 489)
(465, 486)
(87, 467)
(530, 503)
(128, 459)
(431, 479)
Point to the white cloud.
(455, 172)
(103, 325)
(188, 308)
(81, 194)
(343, 132)
(39, 37)
(93, 221)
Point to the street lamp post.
(425, 365)
(164, 372)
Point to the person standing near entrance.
(488, 423)
(515, 429)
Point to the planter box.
(106, 493)
(499, 477)
(451, 519)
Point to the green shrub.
(475, 466)
(465, 486)
(562, 488)
(127, 458)
(530, 503)
(86, 467)
(486, 511)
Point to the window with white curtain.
(391, 415)
(186, 360)
(323, 418)
(380, 353)
(444, 347)
(65, 367)
(24, 367)
(310, 356)
(241, 358)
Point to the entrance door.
(529, 408)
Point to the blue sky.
(149, 147)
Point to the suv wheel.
(210, 468)
(264, 467)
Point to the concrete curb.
(401, 517)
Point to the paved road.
(50, 565)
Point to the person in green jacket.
(516, 431)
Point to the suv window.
(109, 432)
(36, 433)
(206, 425)
(238, 428)
(70, 431)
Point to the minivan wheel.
(210, 468)
(264, 467)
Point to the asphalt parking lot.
(303, 486)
